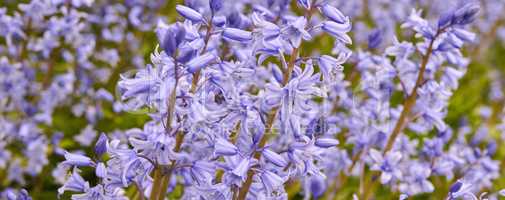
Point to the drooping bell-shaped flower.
(223, 147)
(326, 142)
(271, 181)
(74, 183)
(275, 158)
(238, 35)
(73, 159)
(189, 13)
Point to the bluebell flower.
(199, 62)
(305, 3)
(316, 186)
(219, 21)
(326, 142)
(433, 147)
(460, 188)
(293, 96)
(401, 50)
(338, 30)
(101, 145)
(36, 151)
(375, 39)
(333, 14)
(202, 171)
(465, 14)
(189, 13)
(172, 38)
(216, 191)
(99, 192)
(275, 158)
(235, 34)
(16, 195)
(271, 181)
(420, 25)
(388, 165)
(74, 183)
(15, 171)
(303, 154)
(224, 148)
(451, 77)
(329, 65)
(73, 159)
(269, 30)
(296, 31)
(101, 170)
(215, 5)
(241, 169)
(416, 179)
(87, 136)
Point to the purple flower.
(416, 179)
(388, 165)
(240, 171)
(305, 3)
(238, 35)
(73, 159)
(199, 62)
(420, 25)
(316, 185)
(101, 145)
(296, 31)
(329, 65)
(338, 30)
(460, 189)
(172, 38)
(375, 39)
(271, 181)
(189, 13)
(326, 142)
(20, 195)
(275, 158)
(224, 148)
(86, 136)
(215, 5)
(101, 170)
(333, 14)
(74, 183)
(465, 14)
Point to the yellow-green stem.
(161, 185)
(411, 99)
(156, 182)
(407, 107)
(268, 126)
(166, 176)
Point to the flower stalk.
(268, 127)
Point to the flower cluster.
(60, 55)
(242, 106)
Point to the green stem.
(155, 189)
(268, 126)
(196, 76)
(411, 99)
(407, 107)
(165, 178)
